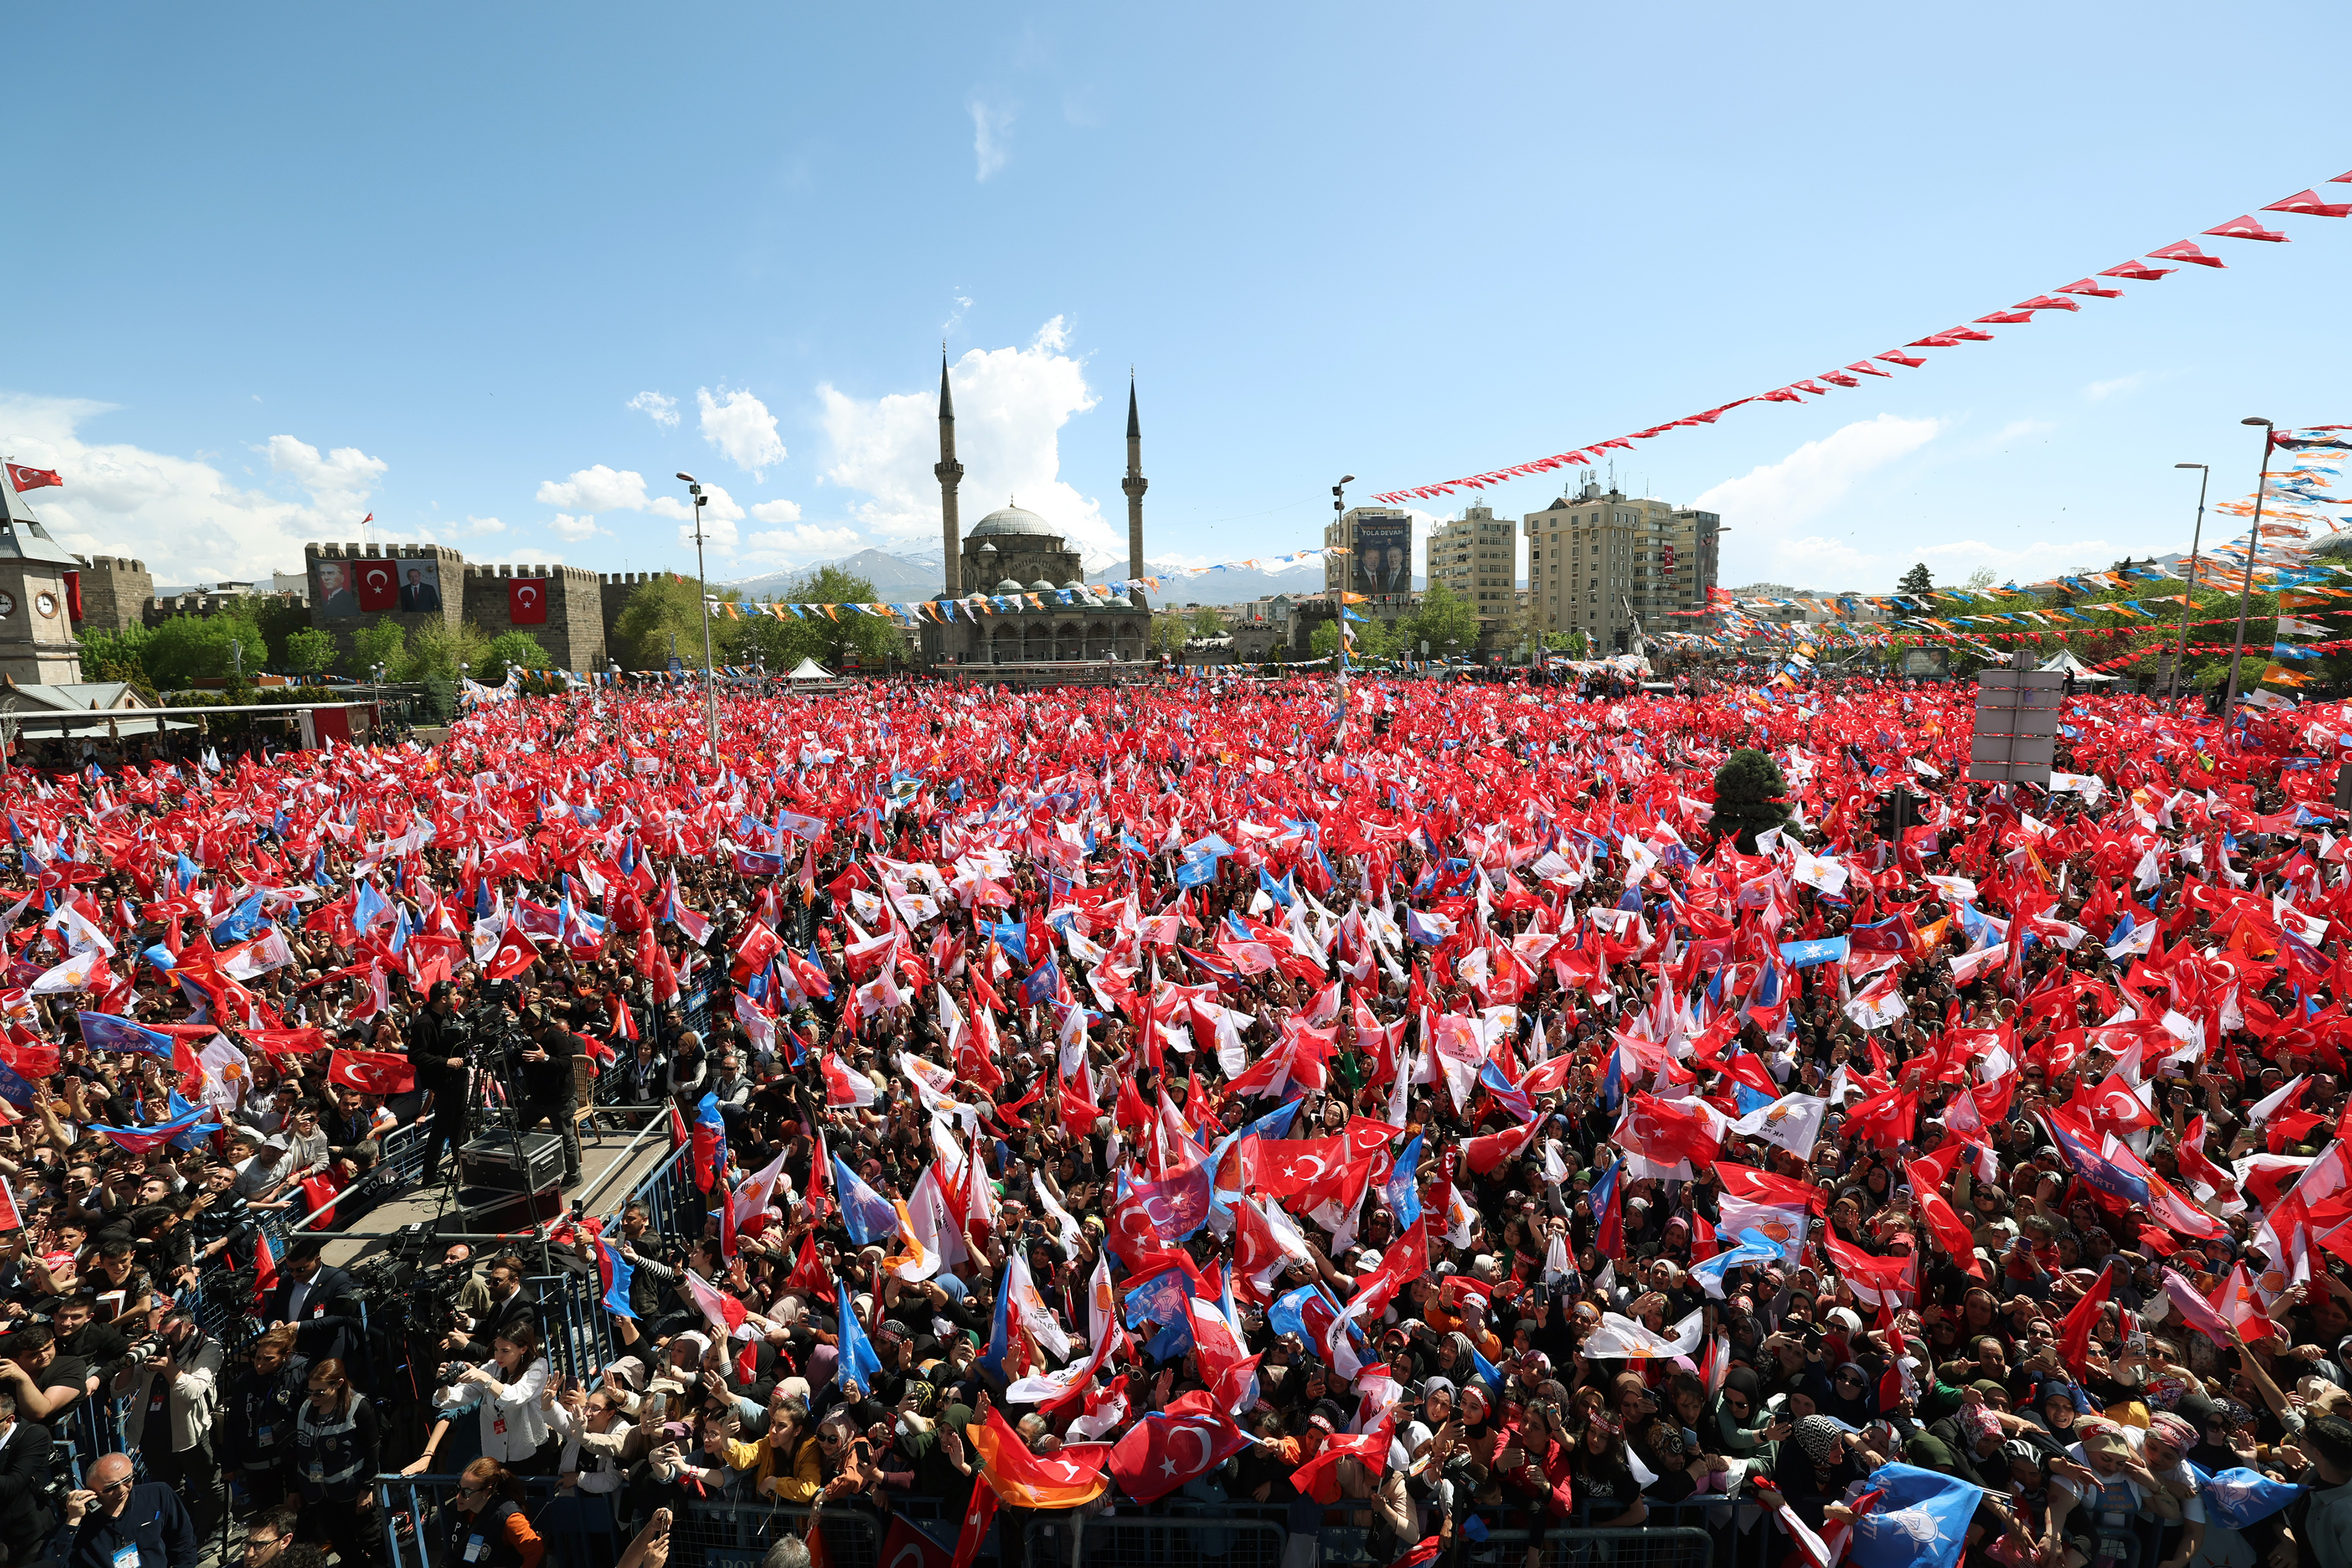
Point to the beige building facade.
(1599, 562)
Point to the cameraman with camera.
(436, 1051)
(173, 1383)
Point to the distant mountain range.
(895, 578)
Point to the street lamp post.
(2246, 592)
(702, 597)
(2189, 595)
(1339, 602)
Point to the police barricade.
(669, 1193)
(1669, 1546)
(1207, 1540)
(585, 1531)
(724, 1534)
(578, 1331)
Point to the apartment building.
(1602, 563)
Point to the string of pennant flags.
(2065, 297)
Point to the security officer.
(436, 1052)
(549, 1092)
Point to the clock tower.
(37, 639)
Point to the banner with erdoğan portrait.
(374, 585)
(1383, 558)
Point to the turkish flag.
(907, 1547)
(372, 1072)
(377, 583)
(1289, 1165)
(1167, 1448)
(514, 955)
(525, 602)
(2076, 1330)
(25, 479)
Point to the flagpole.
(1339, 603)
(2246, 594)
(2189, 595)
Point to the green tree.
(1445, 616)
(518, 649)
(1747, 798)
(1919, 580)
(308, 651)
(118, 656)
(1168, 630)
(782, 643)
(279, 621)
(383, 643)
(437, 652)
(1208, 623)
(665, 608)
(188, 648)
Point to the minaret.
(1134, 485)
(950, 473)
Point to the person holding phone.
(505, 1393)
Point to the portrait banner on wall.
(331, 591)
(420, 586)
(1383, 558)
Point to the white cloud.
(182, 516)
(1817, 474)
(777, 512)
(808, 542)
(992, 126)
(339, 481)
(740, 424)
(955, 317)
(661, 410)
(599, 489)
(480, 528)
(575, 527)
(2002, 559)
(1011, 405)
(718, 535)
(2100, 390)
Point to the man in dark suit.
(320, 1302)
(336, 599)
(24, 1517)
(416, 594)
(114, 1521)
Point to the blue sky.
(275, 267)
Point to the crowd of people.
(1420, 1102)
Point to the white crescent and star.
(1168, 1466)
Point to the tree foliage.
(437, 652)
(1748, 791)
(1445, 616)
(1208, 623)
(517, 649)
(188, 648)
(1919, 580)
(829, 639)
(308, 651)
(382, 643)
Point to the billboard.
(342, 588)
(1383, 556)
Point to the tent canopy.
(809, 670)
(2066, 663)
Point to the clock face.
(46, 602)
(8, 605)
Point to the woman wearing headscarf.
(1742, 1425)
(1813, 1469)
(1604, 1481)
(2164, 1447)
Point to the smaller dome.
(1008, 586)
(1074, 585)
(1041, 586)
(985, 549)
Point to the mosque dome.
(1041, 586)
(1008, 586)
(1012, 520)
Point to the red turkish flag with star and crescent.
(527, 601)
(372, 1072)
(377, 584)
(25, 479)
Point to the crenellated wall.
(115, 593)
(574, 597)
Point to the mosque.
(1015, 590)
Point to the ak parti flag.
(1025, 1479)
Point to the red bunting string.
(2066, 297)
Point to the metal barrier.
(585, 1530)
(1673, 1547)
(1119, 1540)
(577, 1330)
(669, 1193)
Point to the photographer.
(550, 1093)
(258, 1418)
(172, 1384)
(505, 1390)
(436, 1051)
